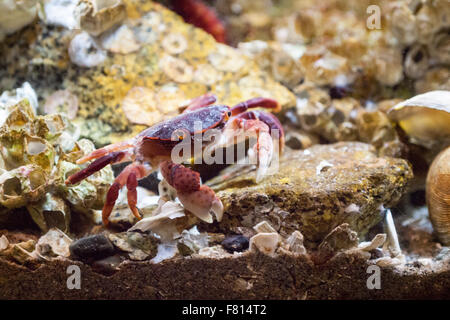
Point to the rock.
(235, 243)
(91, 248)
(339, 239)
(296, 197)
(107, 266)
(139, 246)
(168, 63)
(21, 252)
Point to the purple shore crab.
(151, 149)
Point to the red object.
(200, 15)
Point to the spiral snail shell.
(438, 195)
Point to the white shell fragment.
(165, 251)
(85, 52)
(16, 14)
(11, 98)
(376, 242)
(98, 16)
(322, 165)
(54, 242)
(267, 243)
(295, 243)
(62, 101)
(4, 242)
(264, 227)
(61, 13)
(163, 223)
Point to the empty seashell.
(438, 195)
(425, 117)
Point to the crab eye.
(229, 114)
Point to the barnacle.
(97, 16)
(121, 40)
(36, 154)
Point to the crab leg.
(95, 166)
(254, 103)
(199, 199)
(262, 151)
(260, 125)
(200, 102)
(106, 150)
(129, 177)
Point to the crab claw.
(261, 154)
(196, 198)
(203, 203)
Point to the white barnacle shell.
(226, 59)
(54, 242)
(174, 43)
(176, 69)
(265, 242)
(149, 28)
(425, 117)
(97, 16)
(139, 106)
(85, 52)
(120, 40)
(207, 75)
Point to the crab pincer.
(197, 198)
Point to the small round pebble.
(235, 243)
(91, 248)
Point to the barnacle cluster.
(347, 61)
(37, 154)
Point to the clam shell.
(425, 117)
(438, 195)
